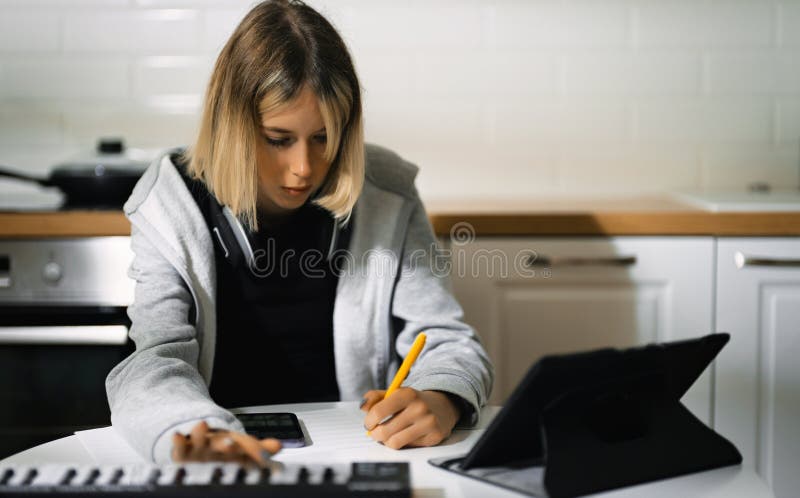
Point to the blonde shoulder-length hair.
(279, 47)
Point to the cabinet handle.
(534, 260)
(743, 260)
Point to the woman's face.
(290, 154)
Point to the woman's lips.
(296, 191)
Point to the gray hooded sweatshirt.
(387, 294)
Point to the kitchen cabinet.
(758, 373)
(533, 296)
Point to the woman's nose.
(301, 162)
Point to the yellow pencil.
(402, 372)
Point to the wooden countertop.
(654, 215)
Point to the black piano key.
(69, 475)
(115, 477)
(180, 475)
(30, 477)
(154, 476)
(7, 475)
(240, 475)
(92, 477)
(303, 475)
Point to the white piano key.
(137, 474)
(198, 474)
(229, 473)
(315, 472)
(253, 476)
(21, 473)
(286, 474)
(106, 473)
(341, 473)
(167, 477)
(50, 474)
(82, 475)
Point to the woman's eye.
(321, 139)
(277, 142)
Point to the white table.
(429, 481)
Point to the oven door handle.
(99, 335)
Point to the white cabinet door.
(758, 373)
(594, 292)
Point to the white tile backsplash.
(490, 97)
(704, 121)
(789, 24)
(217, 26)
(788, 121)
(601, 168)
(20, 125)
(29, 30)
(550, 24)
(133, 31)
(750, 73)
(389, 25)
(63, 78)
(171, 75)
(627, 73)
(702, 24)
(140, 127)
(739, 165)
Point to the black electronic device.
(587, 422)
(283, 426)
(216, 480)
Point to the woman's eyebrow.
(276, 130)
(287, 132)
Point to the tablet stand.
(588, 422)
(624, 439)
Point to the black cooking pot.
(105, 180)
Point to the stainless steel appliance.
(63, 326)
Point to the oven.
(63, 327)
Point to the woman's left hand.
(413, 418)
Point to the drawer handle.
(743, 260)
(546, 261)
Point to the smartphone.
(282, 426)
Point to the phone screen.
(282, 426)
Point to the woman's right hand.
(204, 444)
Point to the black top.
(275, 322)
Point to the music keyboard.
(362, 479)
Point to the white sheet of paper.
(332, 430)
(108, 447)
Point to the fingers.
(423, 432)
(252, 447)
(222, 443)
(271, 445)
(179, 447)
(370, 398)
(197, 437)
(383, 409)
(412, 418)
(203, 444)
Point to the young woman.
(287, 258)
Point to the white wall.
(488, 97)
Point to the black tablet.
(607, 386)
